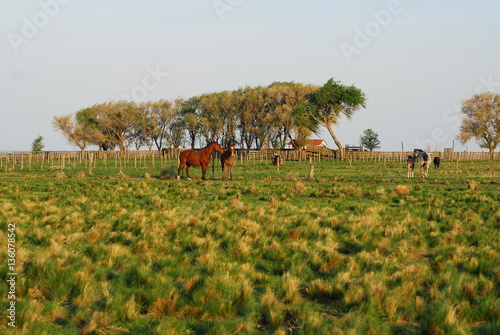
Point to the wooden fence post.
(311, 170)
(278, 166)
(91, 160)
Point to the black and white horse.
(410, 165)
(424, 161)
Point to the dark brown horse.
(197, 158)
(227, 160)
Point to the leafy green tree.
(153, 121)
(370, 140)
(332, 100)
(250, 102)
(89, 120)
(37, 144)
(481, 120)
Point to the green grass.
(360, 249)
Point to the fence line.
(59, 159)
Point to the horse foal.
(227, 159)
(410, 165)
(437, 161)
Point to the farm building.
(355, 148)
(311, 144)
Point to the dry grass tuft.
(271, 309)
(61, 175)
(295, 233)
(100, 321)
(35, 293)
(291, 288)
(189, 285)
(299, 189)
(402, 190)
(121, 211)
(291, 176)
(80, 175)
(254, 189)
(273, 203)
(156, 201)
(472, 185)
(122, 175)
(164, 306)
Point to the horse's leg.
(223, 171)
(203, 171)
(181, 166)
(230, 171)
(188, 167)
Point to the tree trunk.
(337, 142)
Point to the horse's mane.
(209, 144)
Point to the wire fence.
(61, 160)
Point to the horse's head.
(232, 149)
(217, 147)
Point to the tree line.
(253, 117)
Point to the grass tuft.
(402, 190)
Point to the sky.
(416, 60)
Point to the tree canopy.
(370, 140)
(255, 117)
(333, 100)
(481, 120)
(37, 144)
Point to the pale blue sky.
(415, 60)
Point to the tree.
(116, 120)
(37, 144)
(332, 100)
(153, 121)
(89, 121)
(190, 119)
(369, 139)
(76, 133)
(250, 106)
(481, 120)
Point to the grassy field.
(360, 249)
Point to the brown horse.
(227, 160)
(197, 158)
